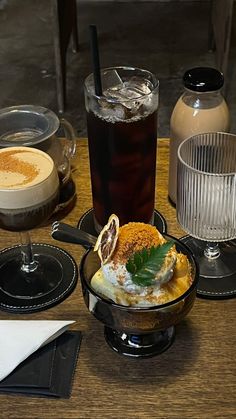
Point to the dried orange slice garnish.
(106, 242)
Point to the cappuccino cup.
(37, 127)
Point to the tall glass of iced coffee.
(122, 136)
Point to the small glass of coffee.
(36, 126)
(29, 193)
(122, 136)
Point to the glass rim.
(156, 83)
(193, 169)
(53, 123)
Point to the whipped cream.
(118, 275)
(27, 177)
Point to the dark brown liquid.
(28, 218)
(123, 167)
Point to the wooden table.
(195, 378)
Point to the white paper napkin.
(19, 339)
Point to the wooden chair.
(64, 28)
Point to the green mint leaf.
(144, 265)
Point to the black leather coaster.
(86, 222)
(49, 371)
(215, 288)
(66, 286)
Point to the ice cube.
(110, 111)
(114, 93)
(110, 80)
(119, 113)
(143, 91)
(139, 87)
(132, 96)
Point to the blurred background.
(166, 37)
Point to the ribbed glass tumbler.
(206, 209)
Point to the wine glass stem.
(212, 250)
(29, 264)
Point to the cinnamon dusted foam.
(22, 167)
(27, 177)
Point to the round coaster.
(213, 287)
(66, 286)
(86, 222)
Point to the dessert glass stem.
(212, 250)
(28, 262)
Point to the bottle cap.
(203, 79)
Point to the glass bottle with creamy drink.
(201, 108)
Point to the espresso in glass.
(122, 135)
(28, 188)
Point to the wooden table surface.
(194, 378)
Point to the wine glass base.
(139, 345)
(29, 285)
(217, 277)
(53, 280)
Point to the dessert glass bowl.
(137, 331)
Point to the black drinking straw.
(95, 60)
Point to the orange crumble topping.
(11, 164)
(134, 237)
